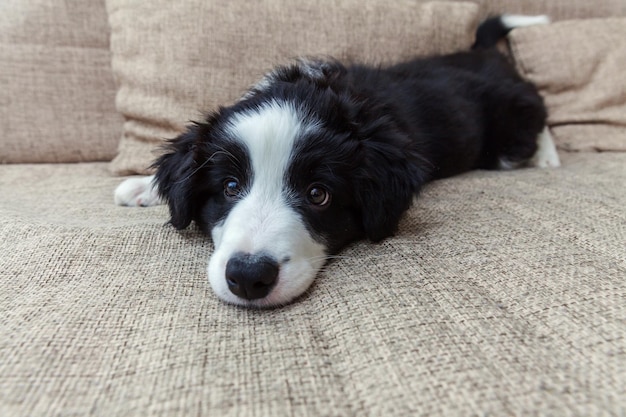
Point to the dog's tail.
(495, 28)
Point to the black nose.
(251, 276)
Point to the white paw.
(546, 155)
(137, 192)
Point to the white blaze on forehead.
(270, 134)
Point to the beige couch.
(504, 293)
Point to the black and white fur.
(319, 154)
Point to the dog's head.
(290, 174)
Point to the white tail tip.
(512, 21)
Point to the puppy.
(319, 154)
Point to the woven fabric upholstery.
(57, 99)
(557, 9)
(502, 294)
(578, 66)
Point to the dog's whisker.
(186, 178)
(230, 155)
(348, 257)
(204, 163)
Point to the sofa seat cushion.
(502, 291)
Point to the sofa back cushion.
(579, 67)
(176, 60)
(57, 99)
(557, 9)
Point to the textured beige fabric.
(57, 99)
(503, 294)
(579, 67)
(558, 9)
(174, 60)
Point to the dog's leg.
(546, 155)
(137, 192)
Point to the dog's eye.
(231, 188)
(318, 195)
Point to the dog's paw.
(546, 155)
(137, 192)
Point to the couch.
(503, 293)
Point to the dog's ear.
(321, 71)
(174, 176)
(387, 181)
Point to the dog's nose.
(251, 276)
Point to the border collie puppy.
(319, 154)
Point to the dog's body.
(318, 155)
